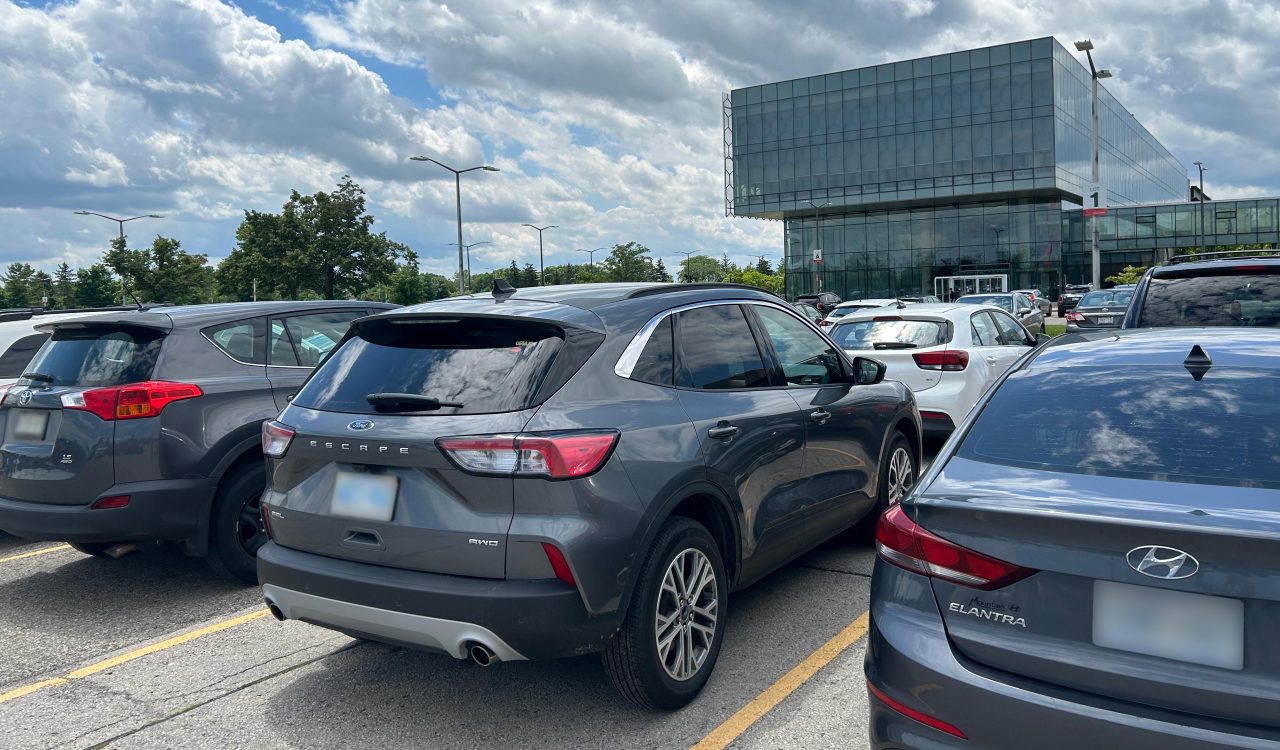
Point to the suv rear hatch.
(367, 476)
(59, 420)
(1112, 470)
(912, 348)
(1238, 293)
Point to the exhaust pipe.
(482, 654)
(275, 611)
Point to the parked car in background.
(809, 311)
(927, 299)
(1095, 552)
(1018, 305)
(844, 308)
(556, 471)
(1104, 308)
(19, 339)
(142, 427)
(1209, 289)
(1037, 297)
(1071, 294)
(824, 301)
(947, 354)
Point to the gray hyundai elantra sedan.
(1107, 574)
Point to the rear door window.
(1228, 298)
(95, 357)
(1011, 333)
(718, 350)
(891, 334)
(984, 331)
(304, 340)
(241, 340)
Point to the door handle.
(722, 431)
(820, 416)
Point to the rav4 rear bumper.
(157, 511)
(517, 619)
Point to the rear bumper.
(1076, 328)
(907, 647)
(517, 619)
(157, 511)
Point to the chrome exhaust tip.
(482, 654)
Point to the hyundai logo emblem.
(24, 397)
(360, 424)
(1166, 563)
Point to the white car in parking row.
(947, 354)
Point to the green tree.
(435, 286)
(16, 283)
(726, 267)
(529, 276)
(406, 286)
(513, 276)
(95, 287)
(590, 275)
(763, 266)
(64, 287)
(41, 289)
(660, 272)
(629, 262)
(1130, 275)
(700, 268)
(752, 277)
(163, 272)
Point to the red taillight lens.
(1075, 317)
(266, 520)
(133, 401)
(950, 360)
(559, 564)
(276, 437)
(563, 456)
(915, 715)
(107, 503)
(934, 415)
(904, 543)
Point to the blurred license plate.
(1170, 624)
(367, 497)
(1106, 319)
(29, 424)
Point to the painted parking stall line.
(35, 553)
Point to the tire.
(890, 490)
(235, 528)
(93, 549)
(633, 660)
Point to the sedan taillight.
(133, 401)
(568, 455)
(902, 542)
(950, 360)
(1075, 317)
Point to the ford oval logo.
(1165, 563)
(24, 397)
(360, 424)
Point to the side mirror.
(1024, 312)
(867, 371)
(1041, 338)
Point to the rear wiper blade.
(409, 401)
(38, 376)
(893, 345)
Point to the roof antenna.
(1197, 362)
(502, 290)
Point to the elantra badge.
(1165, 563)
(360, 424)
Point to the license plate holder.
(364, 497)
(1178, 625)
(30, 424)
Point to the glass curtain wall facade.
(948, 165)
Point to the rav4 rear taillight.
(566, 455)
(904, 543)
(133, 401)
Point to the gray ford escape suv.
(564, 470)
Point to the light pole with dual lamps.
(542, 280)
(1095, 260)
(591, 258)
(120, 223)
(468, 247)
(457, 187)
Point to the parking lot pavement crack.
(223, 680)
(836, 570)
(188, 709)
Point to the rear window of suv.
(487, 366)
(1149, 422)
(891, 334)
(1229, 297)
(95, 357)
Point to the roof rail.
(1223, 255)
(665, 288)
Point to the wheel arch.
(243, 452)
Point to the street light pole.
(468, 247)
(1086, 47)
(120, 222)
(542, 274)
(591, 258)
(817, 230)
(685, 273)
(457, 188)
(1200, 208)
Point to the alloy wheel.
(901, 475)
(251, 531)
(687, 613)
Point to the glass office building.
(907, 176)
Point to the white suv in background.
(947, 354)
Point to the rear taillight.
(133, 401)
(275, 438)
(1062, 297)
(951, 360)
(1075, 317)
(561, 456)
(559, 564)
(904, 543)
(110, 502)
(266, 520)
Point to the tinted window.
(490, 366)
(1106, 298)
(717, 350)
(657, 361)
(96, 357)
(238, 340)
(891, 334)
(984, 331)
(1142, 422)
(313, 336)
(997, 300)
(14, 361)
(1010, 332)
(1226, 300)
(281, 348)
(806, 358)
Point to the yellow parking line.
(116, 661)
(733, 727)
(41, 551)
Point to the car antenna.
(502, 290)
(1197, 362)
(901, 305)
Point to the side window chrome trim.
(631, 355)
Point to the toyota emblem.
(1165, 563)
(360, 424)
(24, 397)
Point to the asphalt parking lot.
(152, 650)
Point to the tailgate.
(896, 340)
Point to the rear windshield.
(1153, 422)
(1103, 299)
(1239, 299)
(890, 334)
(998, 301)
(95, 357)
(487, 366)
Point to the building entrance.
(951, 288)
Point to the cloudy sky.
(604, 117)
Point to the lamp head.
(489, 168)
(1084, 46)
(1104, 73)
